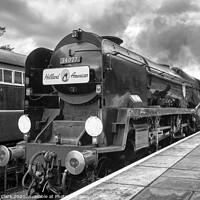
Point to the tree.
(2, 30)
(5, 47)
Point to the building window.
(8, 76)
(18, 78)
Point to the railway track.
(11, 177)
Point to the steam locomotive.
(91, 105)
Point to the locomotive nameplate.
(67, 75)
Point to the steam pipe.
(63, 185)
(30, 169)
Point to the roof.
(10, 57)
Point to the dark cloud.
(194, 42)
(166, 39)
(173, 39)
(28, 22)
(175, 7)
(116, 17)
(113, 21)
(17, 15)
(169, 34)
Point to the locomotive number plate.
(67, 60)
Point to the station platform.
(169, 174)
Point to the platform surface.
(172, 173)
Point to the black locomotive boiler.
(91, 105)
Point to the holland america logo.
(65, 75)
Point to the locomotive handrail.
(173, 79)
(174, 74)
(136, 61)
(110, 47)
(166, 78)
(49, 121)
(49, 94)
(39, 96)
(161, 73)
(87, 50)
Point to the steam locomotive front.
(60, 138)
(74, 72)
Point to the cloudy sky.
(165, 31)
